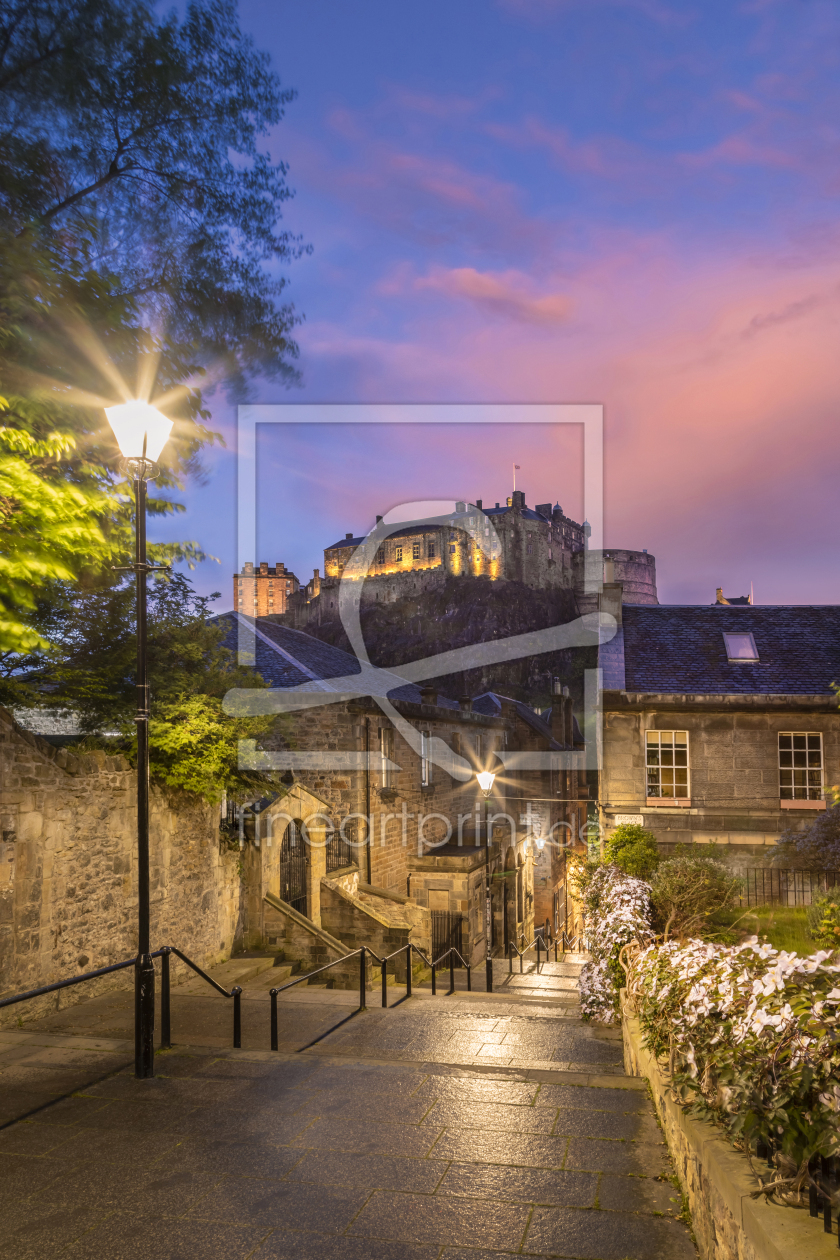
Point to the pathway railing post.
(384, 981)
(408, 971)
(434, 986)
(165, 1005)
(362, 978)
(451, 972)
(469, 978)
(236, 993)
(539, 941)
(275, 1040)
(510, 958)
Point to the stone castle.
(540, 547)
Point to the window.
(425, 763)
(456, 742)
(800, 766)
(430, 552)
(415, 551)
(452, 549)
(530, 549)
(399, 553)
(478, 749)
(740, 647)
(451, 534)
(386, 754)
(667, 764)
(380, 556)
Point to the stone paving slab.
(391, 1138)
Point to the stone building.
(264, 589)
(400, 772)
(720, 723)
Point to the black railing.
(568, 944)
(446, 930)
(340, 853)
(785, 886)
(165, 996)
(823, 1184)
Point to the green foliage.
(784, 927)
(141, 134)
(91, 670)
(687, 890)
(194, 746)
(824, 918)
(633, 850)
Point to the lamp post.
(486, 779)
(141, 432)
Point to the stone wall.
(728, 1223)
(733, 763)
(355, 922)
(68, 871)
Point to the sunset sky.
(633, 203)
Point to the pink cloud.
(507, 293)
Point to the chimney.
(460, 506)
(348, 536)
(478, 505)
(378, 521)
(465, 703)
(610, 599)
(428, 695)
(517, 499)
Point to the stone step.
(238, 970)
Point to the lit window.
(386, 755)
(800, 766)
(431, 551)
(452, 549)
(399, 553)
(452, 534)
(415, 551)
(667, 764)
(740, 647)
(380, 556)
(425, 761)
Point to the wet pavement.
(471, 1125)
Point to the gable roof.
(490, 704)
(680, 649)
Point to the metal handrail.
(537, 942)
(165, 1001)
(362, 952)
(65, 984)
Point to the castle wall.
(635, 570)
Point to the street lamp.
(486, 778)
(141, 432)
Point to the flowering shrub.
(616, 912)
(753, 1040)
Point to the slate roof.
(490, 704)
(680, 649)
(292, 658)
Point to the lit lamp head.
(141, 432)
(485, 781)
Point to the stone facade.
(68, 871)
(634, 570)
(733, 754)
(411, 808)
(266, 589)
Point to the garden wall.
(68, 871)
(728, 1224)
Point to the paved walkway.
(471, 1125)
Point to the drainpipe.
(368, 826)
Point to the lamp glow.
(485, 781)
(140, 429)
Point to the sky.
(633, 203)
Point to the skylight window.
(740, 647)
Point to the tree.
(90, 672)
(686, 890)
(816, 847)
(634, 850)
(141, 136)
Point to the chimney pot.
(378, 520)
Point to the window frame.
(425, 759)
(671, 766)
(415, 551)
(809, 792)
(740, 660)
(399, 552)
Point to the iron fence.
(340, 853)
(446, 931)
(785, 886)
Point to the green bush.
(687, 890)
(824, 918)
(633, 850)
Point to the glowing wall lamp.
(141, 432)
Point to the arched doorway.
(294, 856)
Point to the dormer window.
(740, 648)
